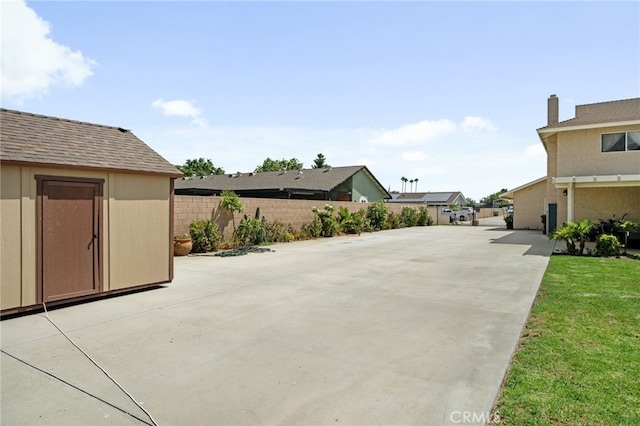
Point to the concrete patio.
(413, 326)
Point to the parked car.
(463, 214)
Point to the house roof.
(428, 197)
(322, 179)
(509, 194)
(38, 139)
(626, 111)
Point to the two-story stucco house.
(593, 167)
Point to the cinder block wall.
(297, 213)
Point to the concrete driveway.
(413, 326)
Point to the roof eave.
(552, 129)
(88, 168)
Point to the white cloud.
(414, 156)
(471, 123)
(179, 108)
(415, 133)
(476, 163)
(31, 61)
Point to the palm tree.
(581, 231)
(411, 181)
(404, 182)
(567, 234)
(626, 227)
(416, 181)
(572, 231)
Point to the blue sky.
(450, 93)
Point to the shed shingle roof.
(40, 139)
(322, 179)
(601, 113)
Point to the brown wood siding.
(69, 237)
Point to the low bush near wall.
(377, 214)
(326, 222)
(607, 245)
(205, 236)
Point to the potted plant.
(182, 245)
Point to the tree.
(489, 199)
(404, 183)
(582, 230)
(230, 201)
(269, 165)
(416, 181)
(411, 182)
(320, 162)
(200, 167)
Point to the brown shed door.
(70, 230)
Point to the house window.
(633, 141)
(623, 141)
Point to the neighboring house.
(431, 199)
(593, 166)
(85, 210)
(528, 202)
(352, 183)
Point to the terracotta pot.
(182, 246)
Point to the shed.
(85, 210)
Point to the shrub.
(377, 215)
(508, 219)
(251, 231)
(392, 222)
(607, 245)
(276, 232)
(330, 225)
(566, 233)
(351, 223)
(424, 218)
(312, 229)
(409, 217)
(205, 236)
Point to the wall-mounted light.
(564, 192)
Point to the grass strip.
(578, 360)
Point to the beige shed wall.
(528, 205)
(140, 233)
(22, 273)
(10, 237)
(579, 154)
(135, 215)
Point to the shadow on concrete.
(540, 245)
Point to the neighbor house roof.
(38, 139)
(322, 179)
(434, 198)
(612, 113)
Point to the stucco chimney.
(552, 110)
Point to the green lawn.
(578, 361)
